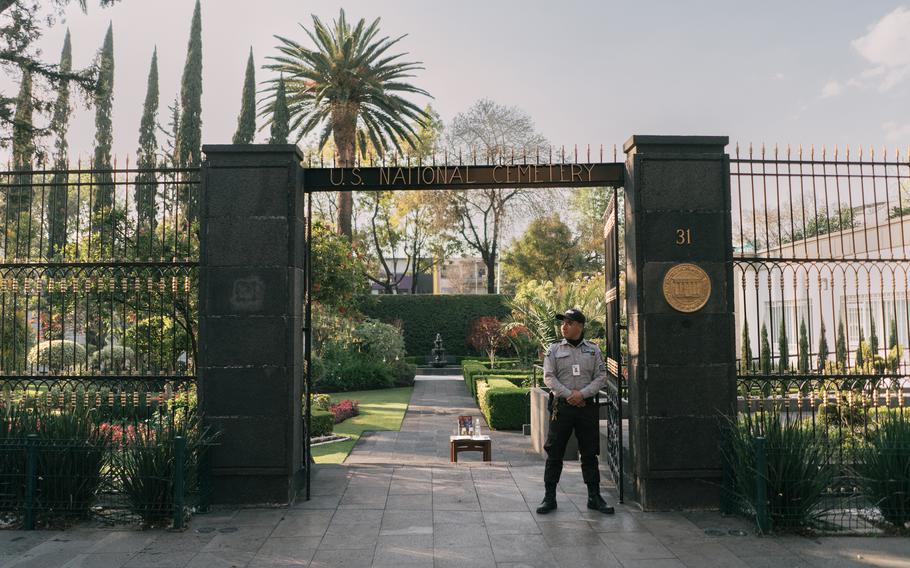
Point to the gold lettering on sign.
(384, 176)
(467, 175)
(687, 287)
(456, 174)
(495, 176)
(683, 237)
(574, 173)
(423, 175)
(332, 176)
(355, 173)
(590, 168)
(399, 175)
(527, 172)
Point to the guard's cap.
(573, 315)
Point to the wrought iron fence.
(98, 335)
(821, 250)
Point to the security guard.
(574, 371)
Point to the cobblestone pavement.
(440, 515)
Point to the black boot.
(596, 502)
(549, 501)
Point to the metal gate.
(614, 388)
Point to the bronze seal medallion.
(687, 287)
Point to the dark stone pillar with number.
(250, 320)
(680, 316)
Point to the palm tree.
(348, 87)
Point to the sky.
(813, 72)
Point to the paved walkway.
(439, 515)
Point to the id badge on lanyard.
(576, 370)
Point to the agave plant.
(348, 86)
(883, 469)
(798, 470)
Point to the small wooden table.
(470, 444)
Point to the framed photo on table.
(465, 425)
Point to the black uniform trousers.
(585, 421)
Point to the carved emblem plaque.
(687, 287)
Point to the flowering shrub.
(345, 409)
(486, 335)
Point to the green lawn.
(379, 410)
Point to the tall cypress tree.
(146, 155)
(892, 334)
(860, 360)
(104, 137)
(822, 348)
(873, 336)
(281, 117)
(246, 122)
(19, 195)
(746, 349)
(764, 352)
(189, 139)
(803, 363)
(56, 207)
(783, 347)
(840, 347)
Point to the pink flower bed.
(344, 410)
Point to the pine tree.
(822, 348)
(281, 117)
(803, 364)
(19, 195)
(56, 207)
(246, 122)
(746, 352)
(840, 347)
(860, 360)
(783, 347)
(892, 334)
(104, 100)
(146, 155)
(170, 152)
(764, 354)
(189, 139)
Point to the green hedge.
(469, 371)
(504, 405)
(321, 422)
(423, 316)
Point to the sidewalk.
(442, 515)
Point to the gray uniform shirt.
(559, 362)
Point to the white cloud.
(832, 89)
(886, 47)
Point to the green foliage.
(421, 317)
(783, 347)
(338, 272)
(764, 352)
(469, 370)
(745, 356)
(536, 304)
(58, 355)
(349, 369)
(146, 464)
(189, 138)
(504, 405)
(892, 334)
(114, 358)
(840, 346)
(547, 251)
(379, 341)
(320, 401)
(822, 348)
(321, 423)
(873, 336)
(281, 116)
(15, 336)
(23, 134)
(56, 207)
(825, 221)
(803, 364)
(523, 344)
(246, 122)
(159, 339)
(883, 469)
(798, 468)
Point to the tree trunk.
(491, 273)
(345, 133)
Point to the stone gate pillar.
(680, 316)
(252, 217)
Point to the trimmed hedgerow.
(321, 423)
(504, 405)
(423, 316)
